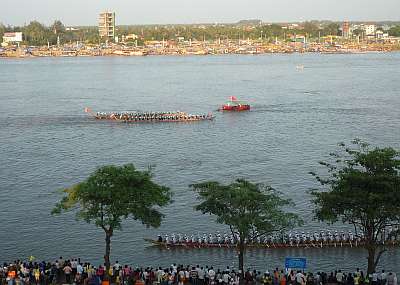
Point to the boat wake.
(29, 121)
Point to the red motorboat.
(234, 105)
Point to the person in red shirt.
(100, 272)
(282, 280)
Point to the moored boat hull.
(234, 105)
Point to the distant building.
(293, 26)
(370, 30)
(107, 25)
(381, 35)
(129, 37)
(346, 30)
(298, 38)
(71, 29)
(12, 38)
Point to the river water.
(299, 116)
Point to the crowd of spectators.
(75, 272)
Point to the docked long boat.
(147, 117)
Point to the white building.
(381, 34)
(130, 37)
(12, 38)
(370, 30)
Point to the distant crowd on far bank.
(195, 48)
(75, 272)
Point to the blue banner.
(295, 262)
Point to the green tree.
(37, 34)
(362, 188)
(93, 37)
(58, 30)
(331, 29)
(311, 28)
(358, 32)
(394, 31)
(113, 193)
(58, 27)
(2, 30)
(250, 210)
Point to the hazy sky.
(85, 12)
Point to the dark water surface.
(299, 116)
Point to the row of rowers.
(148, 116)
(322, 236)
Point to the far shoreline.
(198, 55)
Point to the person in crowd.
(267, 279)
(211, 276)
(382, 278)
(350, 279)
(193, 276)
(374, 278)
(282, 278)
(391, 279)
(67, 272)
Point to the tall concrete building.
(346, 29)
(107, 25)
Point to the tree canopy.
(58, 27)
(37, 34)
(361, 188)
(2, 30)
(113, 193)
(249, 209)
(395, 31)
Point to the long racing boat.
(321, 244)
(147, 117)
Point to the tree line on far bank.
(360, 187)
(38, 34)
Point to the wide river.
(299, 116)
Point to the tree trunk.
(241, 260)
(371, 259)
(109, 234)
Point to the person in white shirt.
(300, 278)
(201, 275)
(74, 264)
(374, 278)
(181, 276)
(339, 277)
(79, 268)
(382, 278)
(225, 278)
(159, 274)
(146, 276)
(211, 274)
(187, 274)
